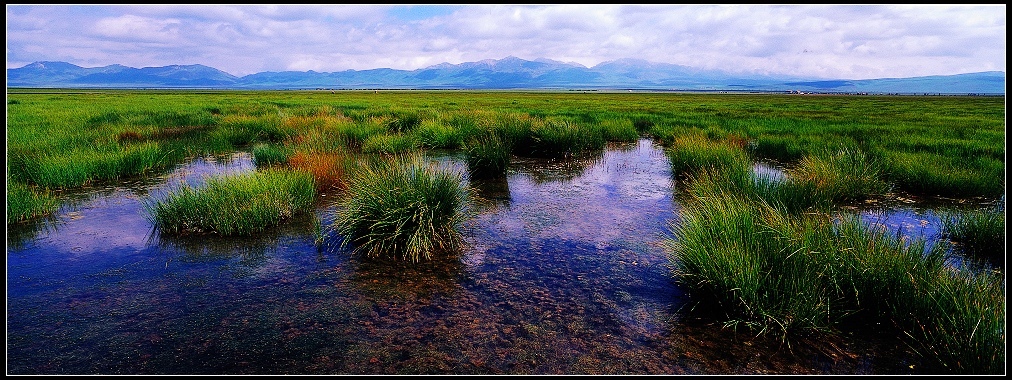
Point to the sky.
(818, 41)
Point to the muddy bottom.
(563, 274)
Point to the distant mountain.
(62, 74)
(507, 73)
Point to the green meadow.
(777, 256)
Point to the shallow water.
(563, 274)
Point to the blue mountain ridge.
(507, 73)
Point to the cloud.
(135, 28)
(832, 41)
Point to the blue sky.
(824, 41)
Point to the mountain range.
(507, 73)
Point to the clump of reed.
(235, 204)
(487, 156)
(513, 128)
(842, 175)
(388, 143)
(954, 317)
(977, 233)
(693, 153)
(784, 148)
(403, 208)
(786, 193)
(244, 130)
(745, 256)
(25, 202)
(616, 129)
(404, 120)
(559, 137)
(269, 154)
(772, 269)
(356, 133)
(929, 173)
(81, 166)
(437, 134)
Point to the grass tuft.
(403, 208)
(234, 205)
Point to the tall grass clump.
(514, 129)
(437, 134)
(776, 271)
(245, 130)
(693, 153)
(269, 154)
(789, 195)
(388, 143)
(783, 148)
(844, 174)
(954, 317)
(355, 134)
(404, 121)
(234, 205)
(487, 156)
(742, 255)
(82, 166)
(403, 208)
(622, 130)
(978, 233)
(560, 137)
(25, 202)
(927, 173)
(957, 318)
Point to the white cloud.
(851, 42)
(130, 27)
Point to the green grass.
(392, 143)
(692, 154)
(240, 204)
(437, 134)
(559, 137)
(269, 154)
(403, 208)
(487, 156)
(979, 234)
(622, 130)
(25, 203)
(786, 194)
(762, 248)
(82, 166)
(842, 175)
(774, 270)
(928, 145)
(740, 256)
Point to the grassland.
(952, 146)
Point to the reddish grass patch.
(328, 169)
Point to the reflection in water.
(492, 193)
(542, 170)
(21, 234)
(565, 276)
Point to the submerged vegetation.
(775, 254)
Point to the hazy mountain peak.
(444, 65)
(554, 62)
(508, 72)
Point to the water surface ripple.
(563, 274)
